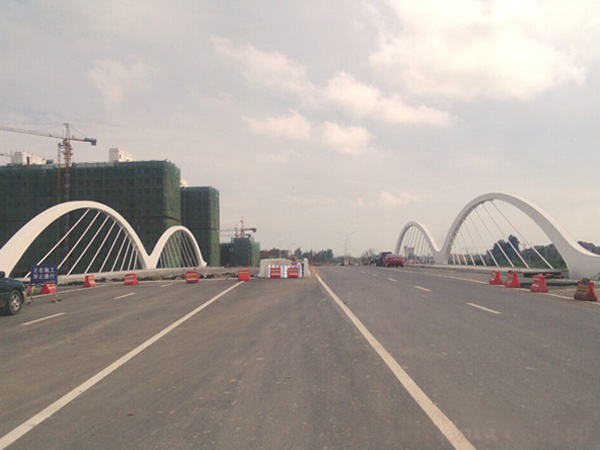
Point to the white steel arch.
(426, 234)
(162, 241)
(580, 262)
(13, 250)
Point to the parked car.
(393, 261)
(381, 258)
(12, 294)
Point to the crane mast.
(64, 149)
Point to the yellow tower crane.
(243, 231)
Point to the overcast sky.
(317, 119)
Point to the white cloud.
(271, 69)
(346, 140)
(390, 200)
(394, 110)
(359, 98)
(278, 72)
(114, 78)
(467, 49)
(292, 126)
(362, 100)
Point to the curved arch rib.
(580, 262)
(162, 242)
(428, 237)
(13, 250)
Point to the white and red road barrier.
(288, 271)
(244, 275)
(513, 280)
(495, 280)
(131, 279)
(585, 291)
(539, 284)
(89, 281)
(192, 276)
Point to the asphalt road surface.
(360, 358)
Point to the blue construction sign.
(44, 274)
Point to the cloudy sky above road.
(319, 120)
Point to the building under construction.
(200, 213)
(240, 252)
(148, 194)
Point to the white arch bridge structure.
(86, 237)
(484, 235)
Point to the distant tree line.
(320, 256)
(533, 257)
(505, 250)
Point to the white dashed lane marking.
(42, 319)
(126, 295)
(484, 308)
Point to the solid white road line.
(126, 295)
(42, 319)
(391, 279)
(423, 289)
(27, 426)
(484, 308)
(60, 291)
(470, 281)
(571, 298)
(167, 285)
(559, 296)
(445, 425)
(445, 276)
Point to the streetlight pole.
(346, 245)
